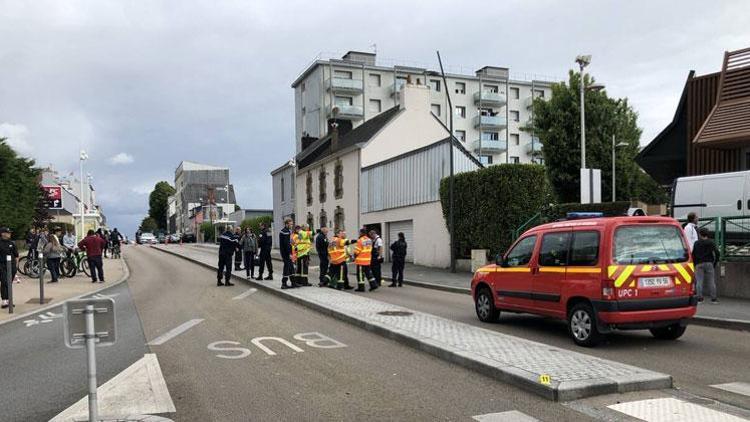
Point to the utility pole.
(451, 226)
(83, 157)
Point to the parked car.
(148, 239)
(174, 238)
(188, 238)
(598, 274)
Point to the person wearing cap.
(7, 249)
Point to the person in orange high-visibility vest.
(363, 254)
(302, 244)
(338, 256)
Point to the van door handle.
(748, 204)
(739, 204)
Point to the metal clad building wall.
(410, 180)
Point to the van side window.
(521, 253)
(554, 251)
(584, 249)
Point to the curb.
(125, 276)
(510, 375)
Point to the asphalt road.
(371, 378)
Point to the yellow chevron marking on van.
(645, 268)
(611, 270)
(664, 267)
(683, 273)
(691, 266)
(624, 275)
(632, 284)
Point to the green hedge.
(491, 203)
(254, 223)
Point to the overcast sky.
(142, 85)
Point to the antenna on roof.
(374, 48)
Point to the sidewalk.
(66, 288)
(729, 313)
(551, 372)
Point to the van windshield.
(649, 244)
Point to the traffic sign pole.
(91, 360)
(9, 280)
(41, 278)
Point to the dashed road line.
(245, 294)
(509, 416)
(672, 410)
(169, 335)
(742, 388)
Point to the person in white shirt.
(691, 230)
(69, 242)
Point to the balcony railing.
(488, 146)
(345, 85)
(346, 112)
(490, 98)
(534, 147)
(490, 122)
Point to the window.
(435, 108)
(322, 185)
(343, 74)
(338, 179)
(460, 88)
(282, 189)
(515, 115)
(338, 219)
(343, 101)
(554, 251)
(461, 135)
(485, 159)
(491, 88)
(538, 93)
(461, 111)
(374, 79)
(585, 248)
(514, 160)
(375, 106)
(649, 244)
(435, 85)
(310, 220)
(514, 93)
(323, 219)
(490, 136)
(515, 138)
(309, 188)
(484, 111)
(520, 255)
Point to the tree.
(149, 225)
(208, 231)
(254, 223)
(42, 216)
(157, 203)
(19, 190)
(557, 123)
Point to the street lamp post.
(614, 147)
(83, 157)
(583, 61)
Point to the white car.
(148, 238)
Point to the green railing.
(731, 235)
(522, 228)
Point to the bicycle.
(74, 262)
(29, 266)
(116, 252)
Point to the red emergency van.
(598, 274)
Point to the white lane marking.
(139, 389)
(43, 318)
(246, 294)
(169, 335)
(735, 387)
(103, 296)
(509, 416)
(672, 410)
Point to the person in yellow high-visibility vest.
(338, 255)
(302, 242)
(363, 254)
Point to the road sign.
(105, 330)
(54, 197)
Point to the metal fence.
(731, 234)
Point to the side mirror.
(501, 261)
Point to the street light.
(83, 157)
(583, 61)
(614, 148)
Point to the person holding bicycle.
(69, 242)
(93, 244)
(114, 239)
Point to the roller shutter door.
(407, 227)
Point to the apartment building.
(489, 107)
(198, 186)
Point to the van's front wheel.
(582, 325)
(670, 332)
(485, 306)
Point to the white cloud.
(121, 158)
(18, 137)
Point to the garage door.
(406, 227)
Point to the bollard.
(91, 361)
(9, 279)
(41, 278)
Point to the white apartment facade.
(489, 108)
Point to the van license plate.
(651, 282)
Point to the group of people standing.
(705, 257)
(295, 245)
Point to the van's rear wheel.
(582, 325)
(670, 332)
(485, 306)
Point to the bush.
(490, 203)
(254, 223)
(208, 231)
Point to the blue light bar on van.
(580, 215)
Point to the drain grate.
(395, 313)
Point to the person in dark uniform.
(321, 246)
(285, 247)
(398, 259)
(265, 243)
(228, 244)
(7, 249)
(377, 257)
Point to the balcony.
(534, 147)
(346, 112)
(490, 99)
(490, 122)
(489, 146)
(351, 86)
(396, 87)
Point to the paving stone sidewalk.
(549, 371)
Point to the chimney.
(342, 127)
(415, 97)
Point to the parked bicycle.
(75, 262)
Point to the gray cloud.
(209, 81)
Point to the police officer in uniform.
(228, 244)
(265, 242)
(321, 246)
(285, 248)
(7, 249)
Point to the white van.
(712, 195)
